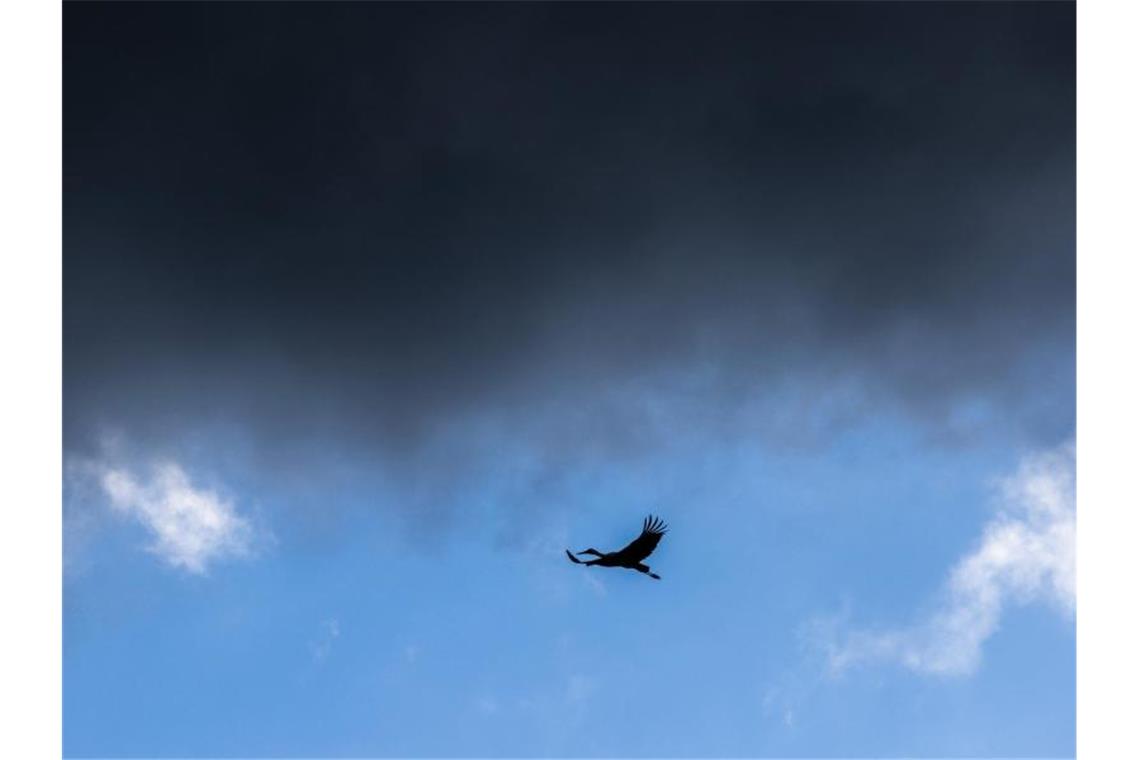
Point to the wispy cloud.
(487, 705)
(579, 687)
(1026, 554)
(322, 645)
(191, 526)
(594, 583)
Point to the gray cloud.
(575, 229)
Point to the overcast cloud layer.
(390, 233)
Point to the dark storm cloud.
(360, 222)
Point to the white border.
(30, 411)
(1108, 352)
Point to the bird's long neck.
(595, 552)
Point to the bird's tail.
(573, 559)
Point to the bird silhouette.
(631, 556)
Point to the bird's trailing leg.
(642, 568)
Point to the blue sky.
(483, 640)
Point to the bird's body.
(652, 530)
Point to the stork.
(652, 529)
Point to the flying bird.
(631, 556)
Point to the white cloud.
(330, 632)
(1026, 555)
(594, 582)
(579, 687)
(191, 526)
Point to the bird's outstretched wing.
(641, 547)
